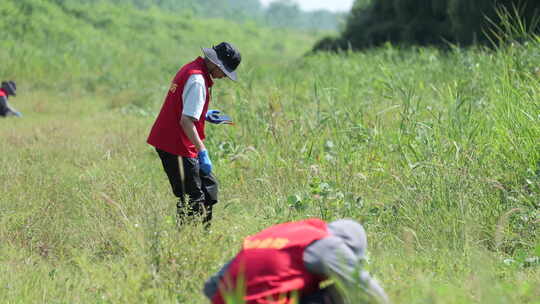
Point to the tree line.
(281, 13)
(434, 22)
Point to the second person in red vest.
(178, 132)
(287, 263)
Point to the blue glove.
(211, 113)
(214, 117)
(205, 164)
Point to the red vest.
(271, 263)
(2, 93)
(166, 133)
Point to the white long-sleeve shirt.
(194, 96)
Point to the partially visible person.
(7, 89)
(292, 260)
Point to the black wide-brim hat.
(10, 87)
(226, 57)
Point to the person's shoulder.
(197, 79)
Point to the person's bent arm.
(188, 126)
(193, 96)
(211, 286)
(373, 288)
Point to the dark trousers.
(201, 189)
(328, 295)
(4, 108)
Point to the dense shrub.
(432, 22)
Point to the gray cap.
(352, 233)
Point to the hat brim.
(10, 89)
(212, 56)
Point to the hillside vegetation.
(113, 48)
(436, 153)
(282, 13)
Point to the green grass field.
(436, 153)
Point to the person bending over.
(7, 89)
(292, 260)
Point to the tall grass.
(436, 153)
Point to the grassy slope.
(437, 154)
(110, 49)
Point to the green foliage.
(431, 22)
(276, 15)
(67, 46)
(285, 13)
